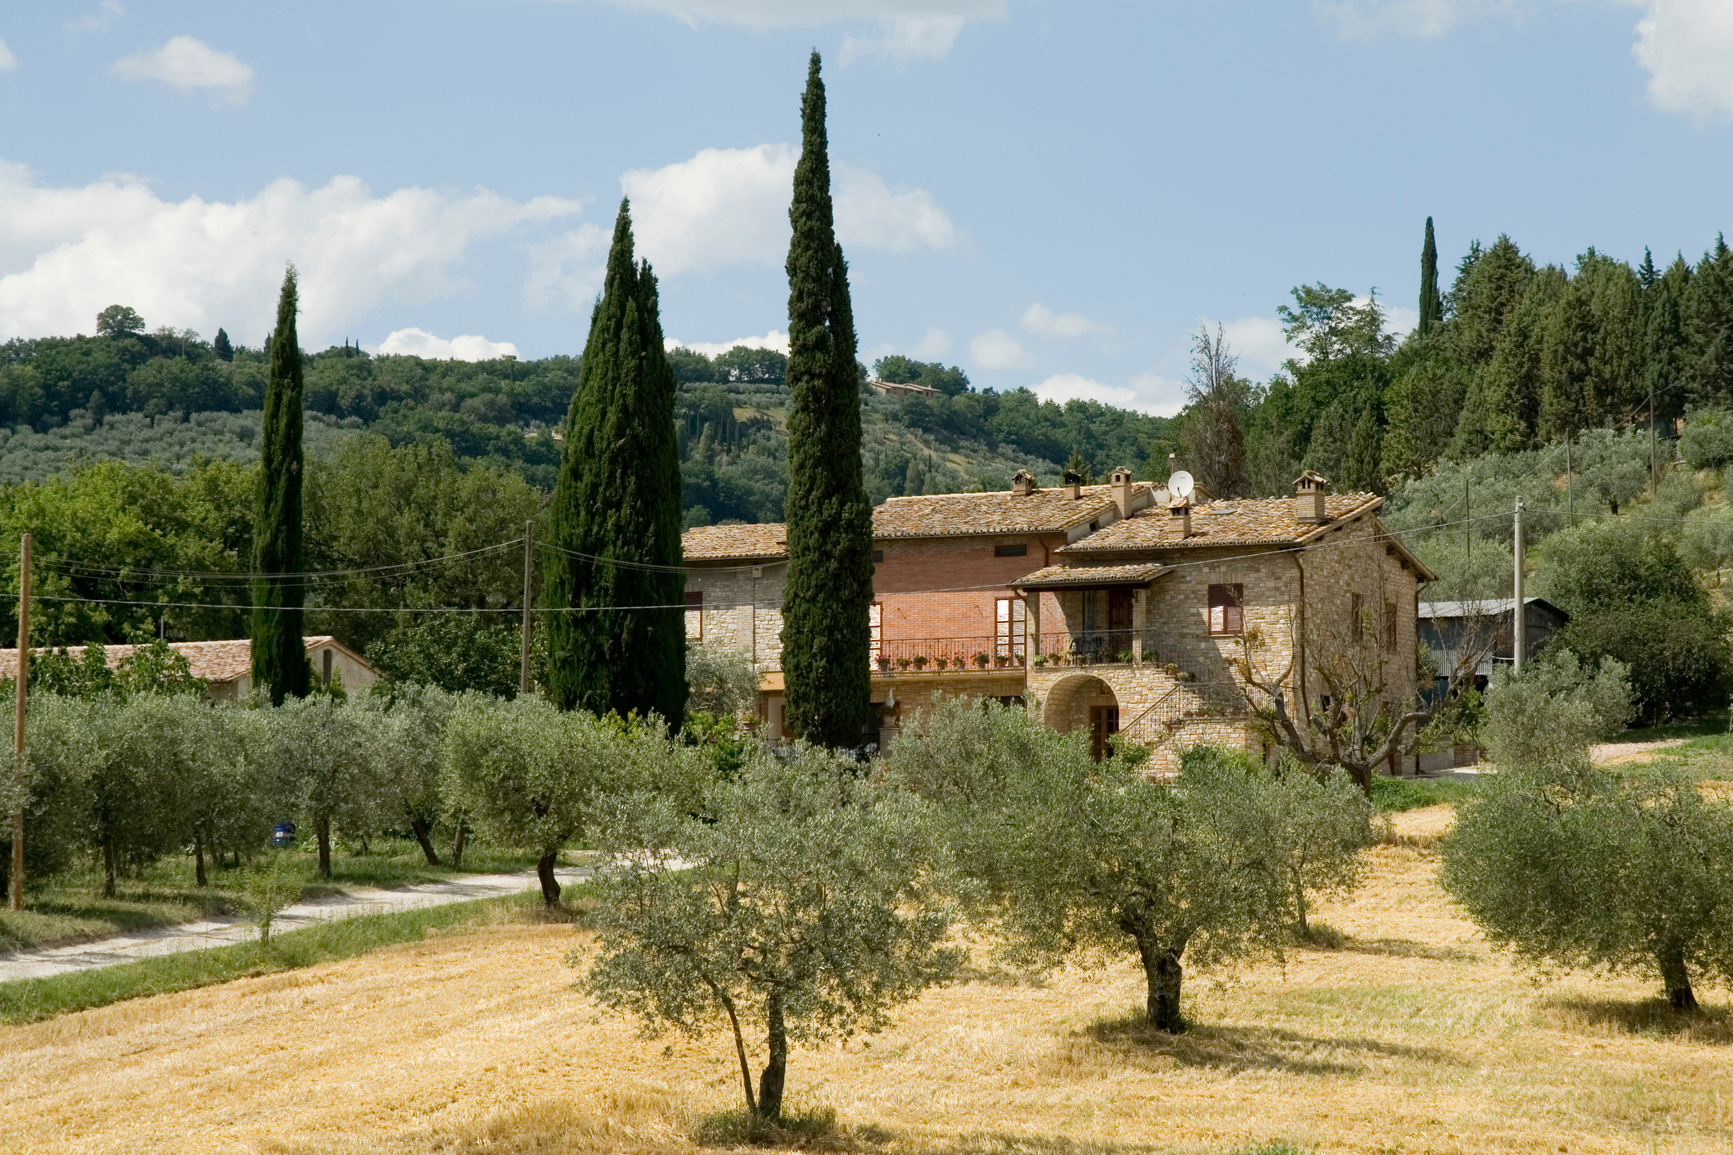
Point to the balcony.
(948, 655)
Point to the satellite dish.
(1180, 484)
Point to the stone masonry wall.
(742, 609)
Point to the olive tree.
(1551, 713)
(529, 775)
(56, 782)
(1321, 824)
(139, 767)
(800, 895)
(1581, 866)
(403, 730)
(1077, 856)
(316, 746)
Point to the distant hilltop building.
(227, 666)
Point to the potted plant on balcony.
(981, 659)
(902, 663)
(920, 662)
(884, 664)
(1124, 657)
(1040, 661)
(958, 663)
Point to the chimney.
(1022, 485)
(1122, 490)
(1180, 513)
(1309, 493)
(1074, 484)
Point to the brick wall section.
(903, 583)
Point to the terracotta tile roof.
(1000, 512)
(223, 661)
(1230, 521)
(722, 542)
(1066, 576)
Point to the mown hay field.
(1412, 1038)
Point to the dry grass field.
(1412, 1038)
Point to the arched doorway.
(1083, 700)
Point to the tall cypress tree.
(279, 651)
(825, 631)
(1431, 304)
(615, 528)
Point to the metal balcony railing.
(948, 655)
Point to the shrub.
(1550, 715)
(1707, 440)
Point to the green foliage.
(1707, 440)
(830, 569)
(279, 657)
(270, 889)
(1578, 866)
(947, 379)
(57, 786)
(1558, 707)
(800, 895)
(1431, 303)
(119, 321)
(1077, 858)
(1394, 795)
(615, 523)
(314, 749)
(458, 652)
(527, 774)
(721, 679)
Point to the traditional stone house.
(227, 666)
(1115, 606)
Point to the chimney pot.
(1310, 490)
(1180, 512)
(1023, 484)
(1074, 484)
(1122, 491)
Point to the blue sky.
(1052, 195)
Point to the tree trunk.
(550, 884)
(108, 869)
(1300, 904)
(199, 858)
(1676, 979)
(1162, 971)
(457, 842)
(322, 826)
(421, 836)
(770, 1082)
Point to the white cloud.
(1257, 342)
(730, 206)
(997, 349)
(421, 343)
(771, 340)
(7, 61)
(814, 13)
(1146, 394)
(1419, 19)
(99, 21)
(1687, 48)
(66, 253)
(1038, 318)
(566, 270)
(905, 38)
(191, 66)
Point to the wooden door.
(1103, 723)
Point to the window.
(878, 556)
(875, 624)
(325, 661)
(1357, 617)
(1390, 626)
(1008, 627)
(694, 615)
(1225, 608)
(1011, 551)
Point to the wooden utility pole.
(17, 887)
(1518, 626)
(524, 666)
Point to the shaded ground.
(1413, 1038)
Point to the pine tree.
(279, 649)
(1709, 326)
(615, 527)
(1664, 341)
(825, 634)
(221, 346)
(1431, 304)
(1487, 289)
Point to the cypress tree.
(222, 348)
(279, 651)
(1431, 304)
(615, 527)
(825, 633)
